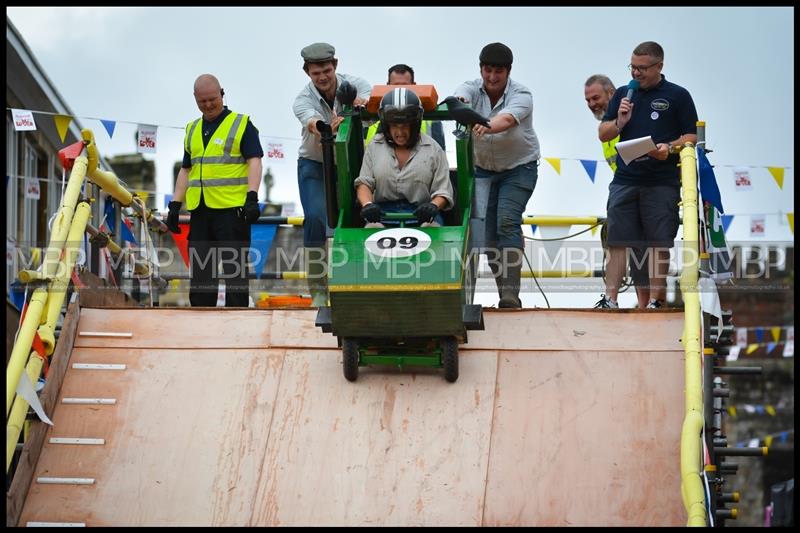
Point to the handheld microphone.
(633, 86)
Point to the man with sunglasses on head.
(643, 197)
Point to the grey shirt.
(426, 173)
(513, 147)
(309, 104)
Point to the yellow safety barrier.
(691, 433)
(58, 260)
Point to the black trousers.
(218, 237)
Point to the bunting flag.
(759, 335)
(733, 353)
(776, 333)
(788, 349)
(770, 347)
(182, 242)
(708, 181)
(741, 337)
(719, 254)
(261, 236)
(533, 229)
(556, 162)
(23, 120)
(126, 231)
(751, 348)
(726, 222)
(790, 218)
(62, 124)
(146, 139)
(109, 125)
(595, 228)
(777, 173)
(590, 166)
(758, 225)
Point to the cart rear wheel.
(450, 358)
(350, 359)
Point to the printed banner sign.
(23, 120)
(146, 139)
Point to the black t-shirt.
(250, 145)
(664, 112)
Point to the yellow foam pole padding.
(51, 260)
(61, 223)
(57, 292)
(692, 491)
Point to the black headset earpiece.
(222, 92)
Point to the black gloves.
(251, 209)
(371, 212)
(172, 217)
(425, 212)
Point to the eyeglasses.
(642, 69)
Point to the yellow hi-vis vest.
(218, 170)
(610, 153)
(372, 130)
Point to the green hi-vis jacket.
(610, 153)
(372, 130)
(218, 170)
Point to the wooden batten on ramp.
(243, 417)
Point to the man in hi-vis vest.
(598, 91)
(219, 179)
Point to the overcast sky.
(139, 65)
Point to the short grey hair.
(604, 81)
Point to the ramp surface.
(243, 417)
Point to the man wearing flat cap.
(506, 164)
(317, 101)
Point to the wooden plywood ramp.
(243, 417)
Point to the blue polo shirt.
(664, 112)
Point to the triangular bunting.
(595, 228)
(777, 173)
(126, 231)
(109, 125)
(770, 347)
(708, 181)
(776, 333)
(556, 162)
(590, 166)
(182, 242)
(751, 348)
(790, 218)
(62, 124)
(726, 222)
(533, 229)
(261, 236)
(771, 410)
(768, 441)
(759, 335)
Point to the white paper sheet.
(633, 148)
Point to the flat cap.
(496, 54)
(314, 53)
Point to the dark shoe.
(655, 304)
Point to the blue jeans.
(312, 197)
(501, 198)
(404, 206)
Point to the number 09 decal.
(397, 242)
